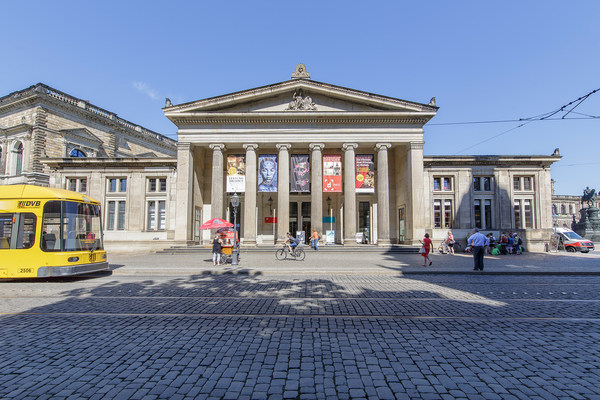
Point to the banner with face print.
(267, 172)
(365, 173)
(300, 173)
(236, 173)
(332, 173)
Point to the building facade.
(344, 136)
(301, 154)
(50, 138)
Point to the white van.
(572, 242)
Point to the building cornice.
(95, 163)
(42, 93)
(331, 118)
(503, 161)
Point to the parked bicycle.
(283, 253)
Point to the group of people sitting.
(509, 243)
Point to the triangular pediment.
(83, 135)
(303, 95)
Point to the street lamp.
(235, 203)
(329, 212)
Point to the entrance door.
(293, 218)
(364, 221)
(306, 220)
(401, 223)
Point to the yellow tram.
(48, 232)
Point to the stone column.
(416, 212)
(250, 196)
(185, 192)
(316, 187)
(3, 157)
(283, 191)
(216, 194)
(383, 195)
(349, 194)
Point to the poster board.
(329, 237)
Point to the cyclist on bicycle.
(292, 242)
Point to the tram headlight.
(73, 259)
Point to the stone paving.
(298, 335)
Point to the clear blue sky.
(483, 61)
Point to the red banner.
(270, 220)
(332, 173)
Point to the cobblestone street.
(236, 336)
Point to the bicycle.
(282, 253)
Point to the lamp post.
(270, 201)
(235, 202)
(329, 211)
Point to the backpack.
(519, 242)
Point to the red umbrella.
(215, 223)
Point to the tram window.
(71, 226)
(51, 232)
(17, 231)
(6, 222)
(26, 231)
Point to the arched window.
(563, 209)
(77, 153)
(554, 211)
(18, 151)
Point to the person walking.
(314, 238)
(427, 246)
(477, 241)
(450, 242)
(216, 250)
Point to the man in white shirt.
(478, 241)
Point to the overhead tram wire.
(537, 118)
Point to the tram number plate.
(25, 270)
(92, 257)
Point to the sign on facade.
(236, 173)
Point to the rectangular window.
(151, 216)
(437, 213)
(115, 215)
(487, 213)
(442, 183)
(477, 213)
(528, 211)
(117, 185)
(157, 184)
(517, 183)
(517, 209)
(448, 213)
(482, 183)
(157, 221)
(527, 183)
(487, 183)
(121, 216)
(77, 184)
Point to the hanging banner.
(236, 173)
(332, 173)
(300, 174)
(365, 173)
(267, 172)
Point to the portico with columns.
(314, 119)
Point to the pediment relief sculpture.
(300, 103)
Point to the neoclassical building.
(366, 174)
(300, 154)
